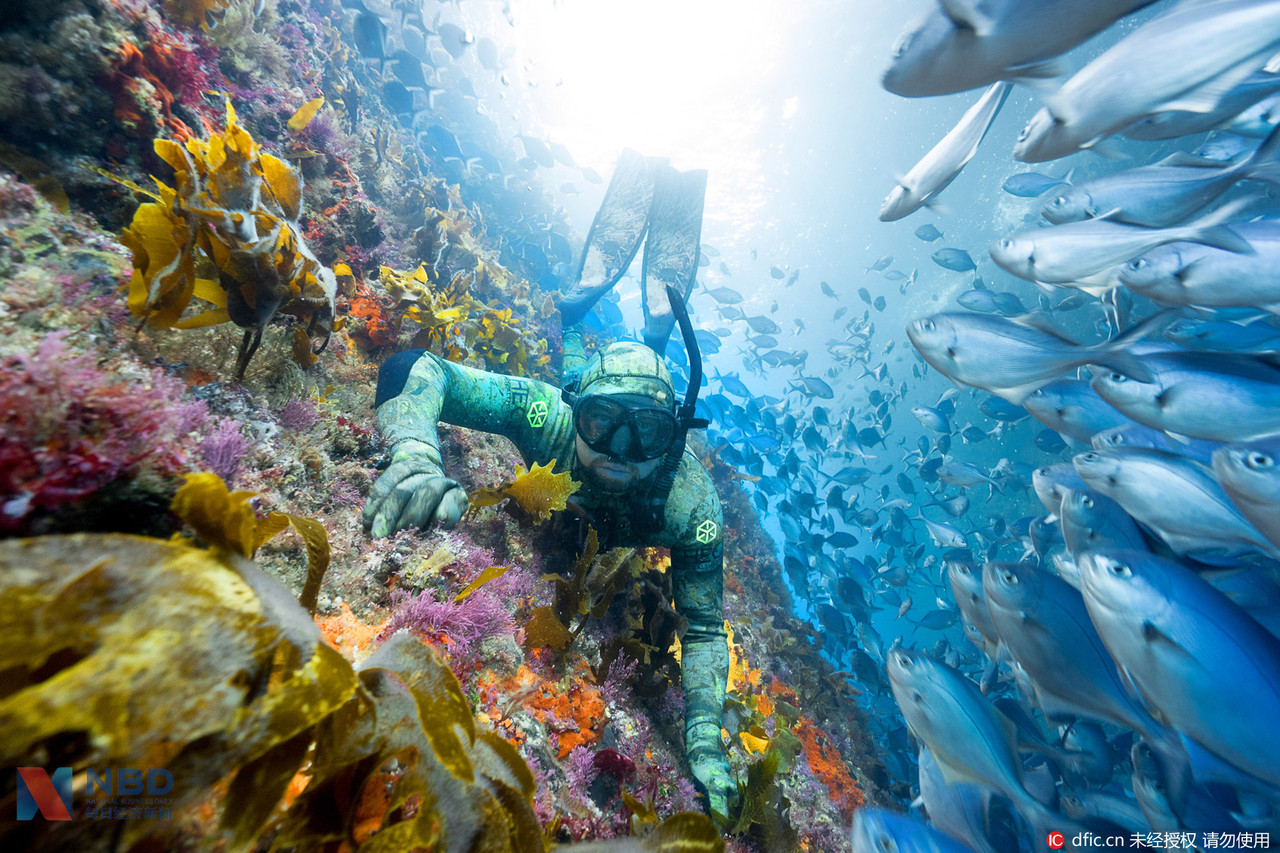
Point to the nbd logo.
(50, 794)
(37, 791)
(128, 783)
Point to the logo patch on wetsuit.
(706, 532)
(537, 413)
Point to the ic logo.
(49, 796)
(537, 413)
(706, 531)
(1056, 840)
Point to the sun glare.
(685, 79)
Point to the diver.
(616, 427)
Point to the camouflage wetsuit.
(540, 423)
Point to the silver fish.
(937, 169)
(967, 736)
(1176, 123)
(1211, 671)
(1010, 358)
(1071, 407)
(1090, 520)
(966, 587)
(1207, 395)
(1175, 497)
(1080, 250)
(1187, 59)
(1189, 274)
(1043, 624)
(957, 809)
(964, 44)
(1163, 194)
(1052, 482)
(1137, 435)
(877, 830)
(1250, 476)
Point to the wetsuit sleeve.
(528, 412)
(694, 524)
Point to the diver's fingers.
(421, 505)
(384, 487)
(451, 508)
(390, 510)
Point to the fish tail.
(1264, 165)
(1210, 230)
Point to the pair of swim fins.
(645, 195)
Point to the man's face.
(615, 432)
(611, 474)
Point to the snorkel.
(653, 515)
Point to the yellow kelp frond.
(299, 120)
(126, 651)
(238, 207)
(167, 656)
(540, 492)
(227, 522)
(537, 492)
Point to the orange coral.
(577, 716)
(139, 77)
(826, 763)
(376, 330)
(347, 634)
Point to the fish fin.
(1042, 321)
(1264, 165)
(1205, 99)
(1108, 147)
(940, 209)
(966, 15)
(1207, 767)
(1191, 161)
(1152, 635)
(1222, 237)
(1042, 78)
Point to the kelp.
(537, 492)
(226, 521)
(126, 651)
(233, 209)
(455, 324)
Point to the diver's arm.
(414, 490)
(697, 570)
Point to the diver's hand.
(712, 778)
(412, 492)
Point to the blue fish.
(1030, 184)
(957, 260)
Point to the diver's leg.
(573, 356)
(614, 236)
(671, 253)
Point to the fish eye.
(1137, 264)
(1089, 456)
(1006, 243)
(927, 325)
(1117, 377)
(1026, 132)
(1010, 578)
(1120, 570)
(1256, 460)
(1086, 502)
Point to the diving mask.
(598, 417)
